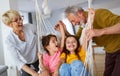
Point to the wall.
(4, 54)
(116, 10)
(1, 47)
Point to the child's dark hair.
(76, 50)
(46, 40)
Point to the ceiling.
(29, 5)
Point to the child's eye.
(54, 41)
(74, 41)
(67, 42)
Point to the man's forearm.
(112, 30)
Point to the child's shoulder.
(45, 55)
(81, 50)
(59, 49)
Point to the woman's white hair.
(9, 15)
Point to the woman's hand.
(35, 74)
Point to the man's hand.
(90, 33)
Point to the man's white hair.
(72, 9)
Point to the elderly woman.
(22, 43)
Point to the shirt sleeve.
(105, 18)
(14, 53)
(78, 34)
(62, 56)
(82, 54)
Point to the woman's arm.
(10, 42)
(29, 70)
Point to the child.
(50, 60)
(71, 55)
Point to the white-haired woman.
(21, 43)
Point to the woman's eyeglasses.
(19, 19)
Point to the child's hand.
(91, 13)
(40, 56)
(59, 26)
(55, 73)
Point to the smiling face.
(13, 19)
(78, 19)
(71, 44)
(17, 23)
(75, 20)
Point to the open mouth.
(56, 45)
(71, 46)
(20, 25)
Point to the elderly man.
(105, 32)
